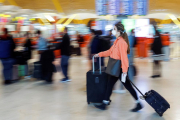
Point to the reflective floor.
(31, 100)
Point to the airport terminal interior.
(47, 66)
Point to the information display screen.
(129, 24)
(114, 7)
(102, 7)
(126, 7)
(142, 28)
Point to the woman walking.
(119, 51)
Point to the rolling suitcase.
(37, 73)
(96, 84)
(155, 100)
(15, 75)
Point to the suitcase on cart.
(96, 84)
(155, 100)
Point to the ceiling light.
(49, 18)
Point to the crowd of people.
(10, 56)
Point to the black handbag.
(113, 67)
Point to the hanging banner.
(101, 7)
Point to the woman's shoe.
(101, 107)
(137, 108)
(154, 76)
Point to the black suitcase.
(155, 100)
(37, 73)
(96, 85)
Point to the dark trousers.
(48, 76)
(64, 65)
(7, 68)
(111, 82)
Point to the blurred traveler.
(7, 47)
(156, 48)
(95, 48)
(42, 42)
(46, 60)
(93, 33)
(80, 41)
(42, 47)
(119, 51)
(65, 54)
(131, 71)
(166, 43)
(28, 51)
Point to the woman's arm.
(105, 53)
(124, 58)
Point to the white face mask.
(114, 32)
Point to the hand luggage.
(37, 70)
(22, 70)
(96, 84)
(155, 100)
(15, 75)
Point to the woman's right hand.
(96, 55)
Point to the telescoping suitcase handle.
(99, 64)
(136, 88)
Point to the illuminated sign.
(101, 7)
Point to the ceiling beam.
(58, 6)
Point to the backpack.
(5, 48)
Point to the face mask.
(114, 32)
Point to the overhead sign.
(101, 7)
(114, 7)
(126, 7)
(141, 7)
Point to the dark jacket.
(65, 45)
(156, 46)
(13, 45)
(28, 48)
(95, 45)
(46, 59)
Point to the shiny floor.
(31, 100)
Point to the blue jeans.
(64, 65)
(7, 68)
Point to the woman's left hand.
(123, 78)
(124, 74)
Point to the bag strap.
(135, 87)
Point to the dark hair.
(26, 34)
(93, 31)
(66, 28)
(123, 34)
(38, 32)
(99, 32)
(5, 30)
